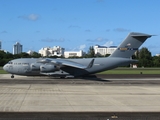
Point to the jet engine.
(48, 68)
(35, 66)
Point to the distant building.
(134, 66)
(157, 55)
(73, 54)
(17, 48)
(103, 50)
(111, 49)
(30, 52)
(100, 50)
(55, 51)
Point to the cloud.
(3, 32)
(99, 39)
(88, 30)
(121, 30)
(31, 17)
(82, 47)
(52, 40)
(108, 43)
(77, 48)
(37, 31)
(74, 26)
(107, 30)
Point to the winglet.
(90, 64)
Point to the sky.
(77, 24)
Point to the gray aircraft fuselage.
(78, 67)
(24, 66)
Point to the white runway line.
(136, 79)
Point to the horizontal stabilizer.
(133, 34)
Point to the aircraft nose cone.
(5, 67)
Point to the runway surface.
(98, 98)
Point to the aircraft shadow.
(52, 80)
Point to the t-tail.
(131, 44)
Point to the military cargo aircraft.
(78, 67)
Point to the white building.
(111, 49)
(73, 54)
(55, 51)
(17, 48)
(158, 54)
(30, 52)
(100, 50)
(103, 50)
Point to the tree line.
(144, 57)
(6, 57)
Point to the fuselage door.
(26, 67)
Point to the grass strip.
(131, 71)
(3, 72)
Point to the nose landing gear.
(12, 76)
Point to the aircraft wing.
(61, 63)
(72, 64)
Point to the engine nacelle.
(48, 68)
(35, 66)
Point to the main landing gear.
(12, 76)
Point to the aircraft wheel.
(12, 76)
(62, 77)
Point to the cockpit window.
(10, 62)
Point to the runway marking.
(135, 79)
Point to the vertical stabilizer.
(131, 44)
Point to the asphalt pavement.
(104, 97)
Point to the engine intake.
(48, 68)
(35, 66)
